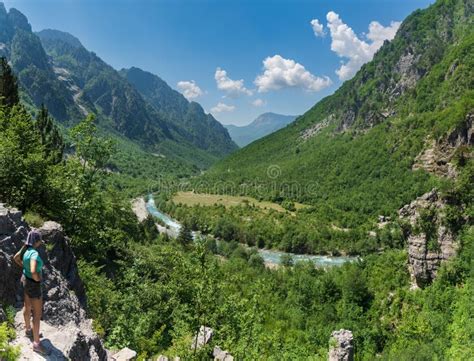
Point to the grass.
(193, 199)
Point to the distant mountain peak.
(52, 34)
(263, 125)
(19, 20)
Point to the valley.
(342, 234)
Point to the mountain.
(263, 125)
(191, 121)
(54, 68)
(39, 83)
(400, 126)
(171, 128)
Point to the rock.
(65, 328)
(203, 337)
(139, 208)
(221, 355)
(425, 258)
(342, 347)
(3, 316)
(126, 354)
(68, 342)
(437, 155)
(62, 258)
(316, 128)
(13, 232)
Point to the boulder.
(221, 355)
(342, 346)
(126, 354)
(426, 252)
(203, 337)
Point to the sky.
(238, 58)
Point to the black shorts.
(32, 288)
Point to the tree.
(92, 150)
(8, 85)
(50, 137)
(185, 236)
(23, 168)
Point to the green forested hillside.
(352, 155)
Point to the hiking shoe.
(29, 334)
(38, 348)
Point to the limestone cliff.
(430, 240)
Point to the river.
(270, 257)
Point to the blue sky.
(188, 40)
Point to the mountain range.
(54, 68)
(263, 125)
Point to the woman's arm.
(35, 275)
(18, 257)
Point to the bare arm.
(35, 275)
(18, 256)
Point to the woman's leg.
(37, 304)
(27, 312)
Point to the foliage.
(8, 352)
(8, 85)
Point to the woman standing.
(29, 258)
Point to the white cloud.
(190, 89)
(259, 102)
(317, 28)
(283, 73)
(233, 88)
(347, 44)
(221, 107)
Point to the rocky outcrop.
(342, 346)
(66, 330)
(438, 155)
(316, 128)
(221, 355)
(12, 233)
(125, 354)
(203, 337)
(430, 241)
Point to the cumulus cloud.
(190, 89)
(347, 44)
(233, 88)
(222, 107)
(259, 102)
(284, 73)
(317, 28)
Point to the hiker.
(29, 259)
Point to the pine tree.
(51, 139)
(185, 236)
(8, 85)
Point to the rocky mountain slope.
(263, 125)
(54, 68)
(353, 155)
(189, 118)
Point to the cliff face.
(66, 328)
(430, 241)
